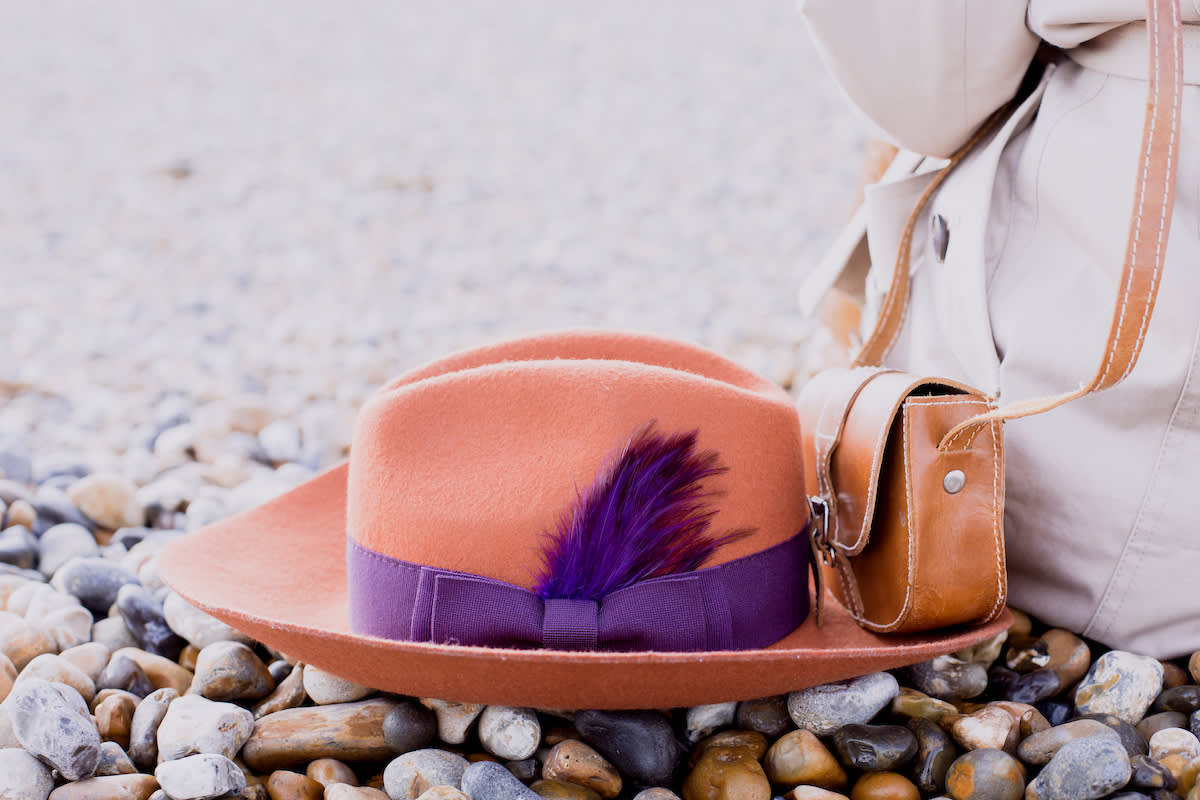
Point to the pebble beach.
(224, 225)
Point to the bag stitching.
(997, 532)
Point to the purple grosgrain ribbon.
(744, 604)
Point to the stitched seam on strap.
(1164, 213)
(997, 532)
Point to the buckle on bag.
(822, 550)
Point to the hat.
(587, 519)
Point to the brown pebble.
(442, 793)
(1033, 721)
(1069, 655)
(21, 512)
(162, 672)
(288, 694)
(345, 731)
(767, 715)
(559, 733)
(1156, 722)
(573, 761)
(986, 728)
(114, 717)
(254, 792)
(284, 785)
(562, 790)
(1174, 675)
(726, 775)
(911, 703)
(800, 757)
(8, 676)
(748, 744)
(342, 791)
(1194, 666)
(884, 786)
(112, 787)
(22, 643)
(188, 656)
(230, 672)
(104, 694)
(1022, 625)
(328, 771)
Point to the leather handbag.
(908, 470)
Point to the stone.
(800, 757)
(114, 760)
(328, 771)
(288, 693)
(442, 793)
(1120, 683)
(114, 717)
(194, 724)
(22, 513)
(1174, 675)
(344, 791)
(1174, 741)
(1039, 748)
(21, 642)
(884, 786)
(143, 728)
(89, 657)
(409, 726)
(162, 672)
(985, 774)
(824, 709)
(1184, 699)
(8, 676)
(453, 719)
(63, 542)
(325, 688)
(200, 777)
(509, 733)
(572, 761)
(725, 775)
(68, 627)
(641, 744)
(143, 616)
(986, 728)
(230, 671)
(1146, 773)
(1032, 687)
(561, 790)
(95, 581)
(280, 441)
(346, 731)
(1069, 655)
(735, 744)
(18, 547)
(935, 753)
(1154, 723)
(949, 678)
(813, 793)
(108, 500)
(53, 508)
(187, 659)
(875, 748)
(911, 703)
(766, 715)
(407, 776)
(280, 669)
(702, 721)
(23, 777)
(985, 652)
(123, 673)
(52, 722)
(49, 667)
(285, 785)
(527, 770)
(112, 787)
(16, 458)
(1083, 769)
(197, 627)
(656, 793)
(491, 780)
(113, 633)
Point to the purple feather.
(645, 515)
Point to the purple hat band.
(745, 604)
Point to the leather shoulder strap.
(1145, 248)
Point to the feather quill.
(647, 514)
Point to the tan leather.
(902, 553)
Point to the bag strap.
(1144, 251)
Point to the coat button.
(939, 234)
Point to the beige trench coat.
(1103, 495)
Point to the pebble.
(52, 722)
(736, 744)
(875, 748)
(16, 458)
(53, 508)
(280, 441)
(162, 672)
(194, 724)
(561, 790)
(442, 793)
(1184, 699)
(197, 627)
(18, 547)
(1147, 773)
(108, 500)
(408, 775)
(231, 671)
(985, 774)
(721, 775)
(22, 776)
(949, 678)
(113, 787)
(122, 672)
(50, 667)
(113, 633)
(655, 793)
(800, 757)
(63, 542)
(409, 726)
(884, 786)
(90, 657)
(21, 512)
(1069, 655)
(641, 744)
(1041, 747)
(453, 719)
(343, 791)
(911, 703)
(143, 616)
(1120, 683)
(766, 715)
(288, 693)
(200, 777)
(21, 642)
(325, 688)
(114, 760)
(986, 728)
(114, 718)
(1174, 675)
(285, 785)
(328, 771)
(702, 721)
(143, 729)
(824, 709)
(1083, 769)
(68, 627)
(935, 753)
(95, 581)
(572, 761)
(1174, 741)
(1031, 687)
(813, 793)
(347, 731)
(509, 733)
(8, 676)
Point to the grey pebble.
(143, 616)
(18, 547)
(949, 678)
(640, 744)
(53, 508)
(16, 458)
(200, 777)
(94, 580)
(52, 722)
(113, 633)
(824, 709)
(63, 542)
(766, 715)
(194, 724)
(1084, 769)
(1120, 683)
(487, 780)
(1038, 748)
(431, 767)
(875, 748)
(23, 777)
(143, 730)
(409, 726)
(122, 672)
(509, 733)
(702, 721)
(114, 760)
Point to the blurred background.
(218, 214)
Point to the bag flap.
(846, 416)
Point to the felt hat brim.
(277, 572)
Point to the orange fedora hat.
(584, 519)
